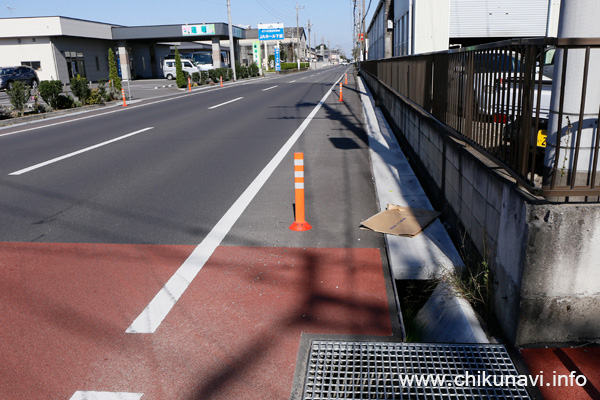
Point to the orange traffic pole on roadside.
(123, 93)
(300, 223)
(189, 84)
(346, 80)
(221, 81)
(341, 93)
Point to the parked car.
(170, 72)
(9, 75)
(203, 59)
(498, 82)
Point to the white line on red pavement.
(106, 396)
(227, 102)
(156, 311)
(43, 164)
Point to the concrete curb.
(430, 253)
(449, 318)
(446, 317)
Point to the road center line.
(156, 311)
(272, 87)
(227, 102)
(24, 170)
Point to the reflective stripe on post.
(300, 223)
(341, 93)
(123, 93)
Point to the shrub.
(19, 95)
(203, 77)
(241, 71)
(79, 87)
(103, 92)
(253, 69)
(113, 74)
(49, 91)
(196, 77)
(4, 113)
(64, 102)
(95, 97)
(214, 74)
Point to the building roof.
(66, 26)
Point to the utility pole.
(362, 31)
(298, 33)
(231, 44)
(309, 47)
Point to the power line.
(271, 10)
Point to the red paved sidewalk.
(550, 363)
(234, 334)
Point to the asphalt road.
(145, 251)
(167, 185)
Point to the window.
(37, 65)
(75, 63)
(97, 64)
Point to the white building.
(61, 48)
(57, 47)
(404, 27)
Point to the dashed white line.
(227, 102)
(160, 306)
(43, 164)
(272, 87)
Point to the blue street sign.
(270, 31)
(277, 59)
(270, 34)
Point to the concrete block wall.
(542, 256)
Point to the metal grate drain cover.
(380, 370)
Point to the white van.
(169, 71)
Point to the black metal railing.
(503, 99)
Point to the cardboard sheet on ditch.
(401, 221)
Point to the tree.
(180, 76)
(49, 91)
(79, 86)
(113, 74)
(19, 95)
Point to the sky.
(330, 19)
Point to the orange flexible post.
(300, 223)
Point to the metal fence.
(505, 97)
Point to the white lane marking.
(43, 164)
(86, 395)
(156, 311)
(272, 87)
(293, 81)
(120, 109)
(227, 102)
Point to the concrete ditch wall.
(544, 258)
